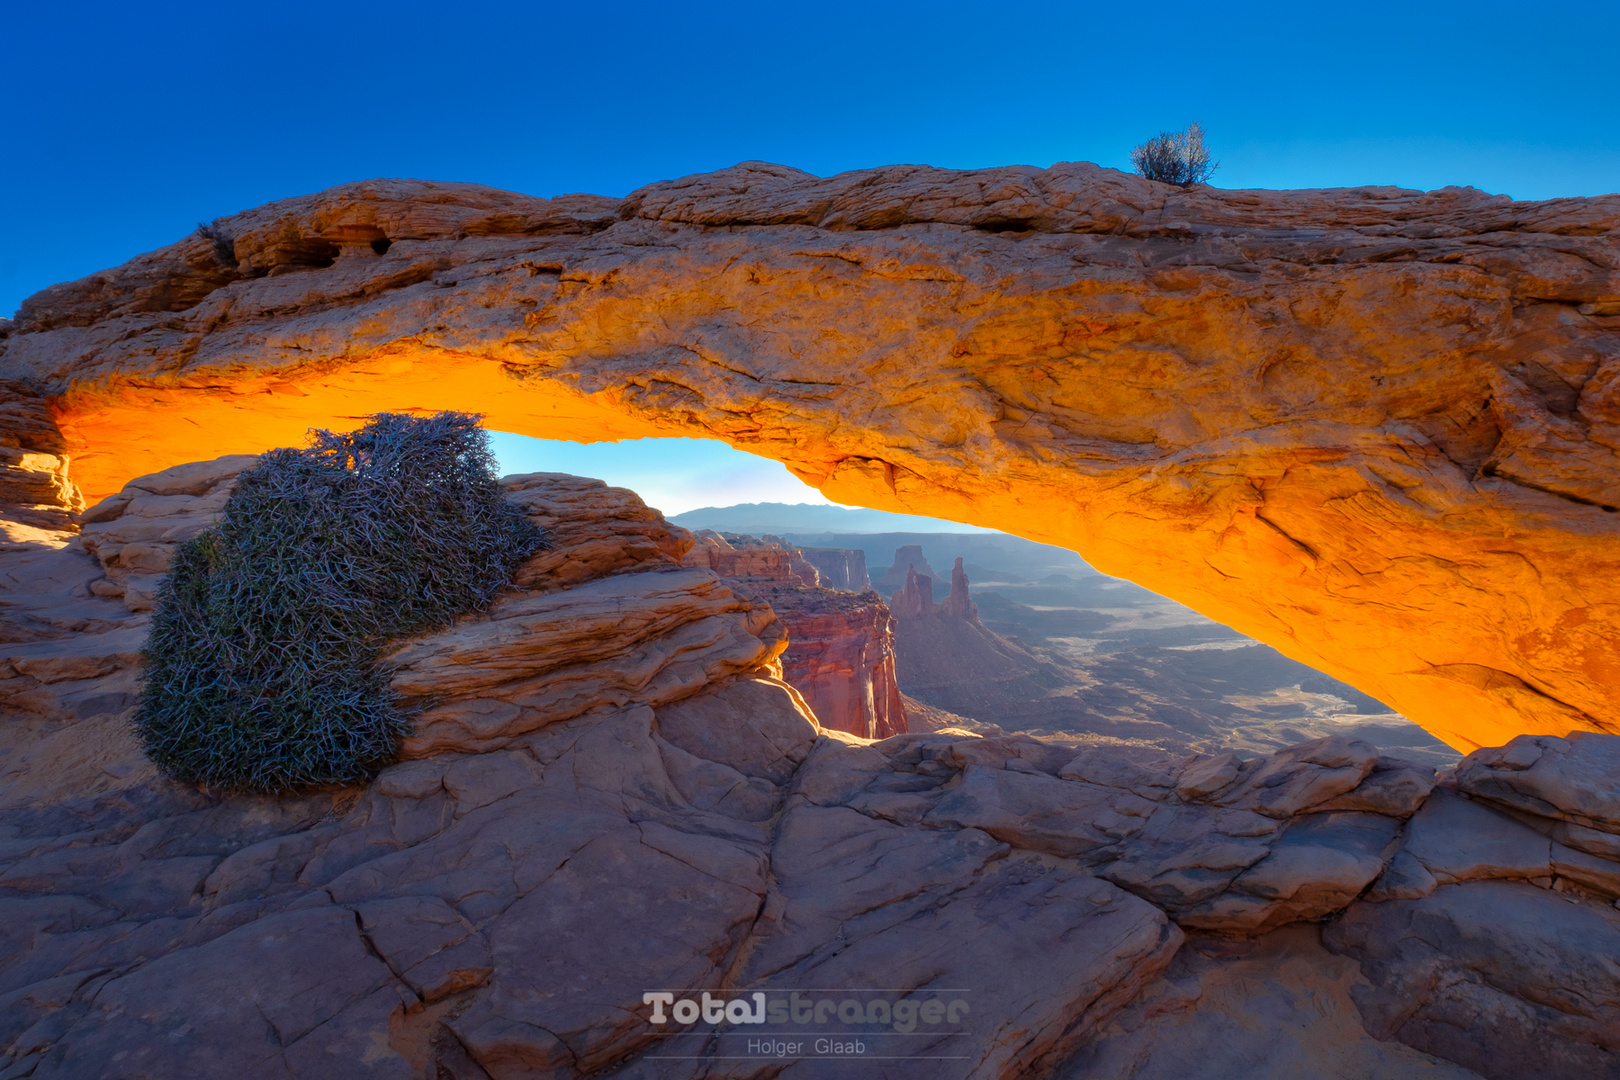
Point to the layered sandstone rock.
(134, 533)
(843, 569)
(751, 557)
(841, 657)
(614, 791)
(957, 603)
(654, 634)
(35, 491)
(914, 599)
(1375, 428)
(946, 657)
(841, 651)
(1481, 941)
(1277, 1007)
(609, 747)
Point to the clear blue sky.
(126, 124)
(672, 475)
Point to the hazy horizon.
(756, 517)
(678, 477)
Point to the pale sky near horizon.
(126, 125)
(672, 475)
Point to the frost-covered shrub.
(261, 666)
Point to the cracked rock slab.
(1510, 980)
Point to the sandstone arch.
(1375, 428)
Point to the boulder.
(1395, 787)
(1502, 977)
(1300, 777)
(1457, 839)
(1572, 778)
(536, 659)
(1043, 813)
(134, 534)
(1316, 868)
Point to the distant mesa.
(908, 559)
(950, 660)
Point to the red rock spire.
(959, 605)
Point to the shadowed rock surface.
(1372, 427)
(1276, 1007)
(591, 810)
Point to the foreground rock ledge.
(1374, 428)
(593, 809)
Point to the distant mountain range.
(780, 518)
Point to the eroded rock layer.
(841, 652)
(1375, 428)
(613, 792)
(841, 657)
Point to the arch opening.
(1350, 459)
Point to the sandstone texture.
(1373, 427)
(1276, 1007)
(592, 807)
(841, 648)
(34, 484)
(751, 557)
(841, 657)
(612, 791)
(843, 569)
(134, 533)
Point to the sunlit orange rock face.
(841, 657)
(1375, 428)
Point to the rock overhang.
(1374, 428)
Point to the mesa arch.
(1375, 428)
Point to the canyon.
(1371, 427)
(1064, 650)
(841, 647)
